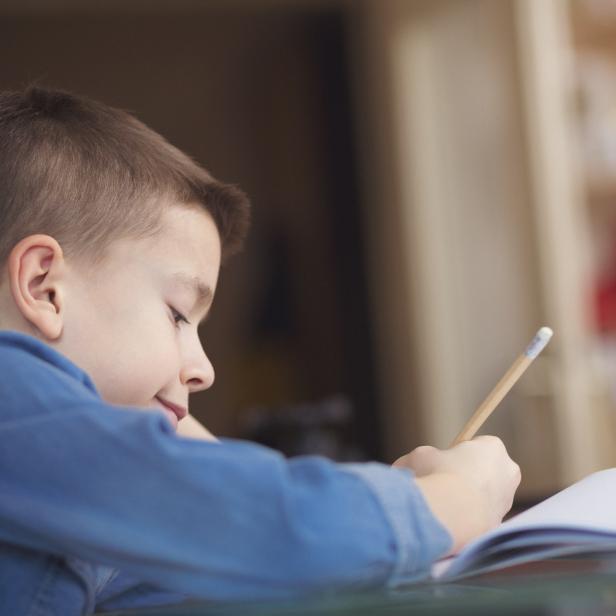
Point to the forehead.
(185, 230)
(185, 251)
(202, 291)
(187, 246)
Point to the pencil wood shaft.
(494, 397)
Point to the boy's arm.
(228, 520)
(446, 484)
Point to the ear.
(36, 266)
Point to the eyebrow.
(202, 291)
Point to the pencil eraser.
(542, 337)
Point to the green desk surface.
(567, 587)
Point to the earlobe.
(35, 268)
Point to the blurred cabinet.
(478, 227)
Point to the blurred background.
(432, 181)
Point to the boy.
(110, 245)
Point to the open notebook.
(579, 520)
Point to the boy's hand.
(469, 487)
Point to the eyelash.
(178, 316)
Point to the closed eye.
(178, 316)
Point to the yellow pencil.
(518, 367)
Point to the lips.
(178, 411)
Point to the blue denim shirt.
(105, 507)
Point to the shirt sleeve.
(116, 486)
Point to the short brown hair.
(88, 174)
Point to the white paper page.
(589, 505)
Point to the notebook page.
(589, 505)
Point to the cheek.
(141, 360)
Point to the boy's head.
(110, 240)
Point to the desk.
(563, 587)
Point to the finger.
(423, 460)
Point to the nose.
(197, 372)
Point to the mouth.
(174, 411)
